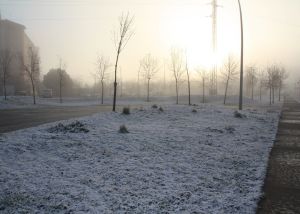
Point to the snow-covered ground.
(13, 102)
(27, 102)
(171, 161)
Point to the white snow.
(13, 102)
(175, 161)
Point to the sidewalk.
(282, 183)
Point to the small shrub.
(123, 129)
(11, 200)
(74, 127)
(126, 110)
(161, 109)
(238, 115)
(154, 106)
(230, 129)
(214, 130)
(194, 111)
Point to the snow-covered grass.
(14, 102)
(27, 102)
(171, 161)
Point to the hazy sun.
(189, 29)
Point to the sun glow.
(190, 29)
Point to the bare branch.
(6, 58)
(31, 65)
(102, 67)
(177, 68)
(149, 66)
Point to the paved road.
(14, 119)
(282, 184)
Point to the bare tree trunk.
(203, 88)
(4, 86)
(273, 94)
(115, 83)
(270, 95)
(279, 95)
(189, 85)
(60, 88)
(33, 90)
(148, 89)
(260, 92)
(176, 85)
(102, 91)
(225, 96)
(252, 90)
(138, 84)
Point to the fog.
(78, 30)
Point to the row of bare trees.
(149, 67)
(275, 78)
(30, 64)
(6, 58)
(270, 78)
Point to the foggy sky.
(78, 30)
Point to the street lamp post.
(242, 59)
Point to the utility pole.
(214, 73)
(242, 59)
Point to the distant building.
(14, 39)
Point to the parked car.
(46, 93)
(21, 93)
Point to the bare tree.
(138, 81)
(261, 75)
(297, 88)
(229, 73)
(149, 67)
(102, 73)
(271, 82)
(121, 81)
(203, 75)
(188, 78)
(282, 75)
(251, 80)
(31, 65)
(6, 58)
(61, 77)
(121, 38)
(176, 68)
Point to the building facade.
(14, 39)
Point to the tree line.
(271, 78)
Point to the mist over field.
(149, 106)
(78, 31)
